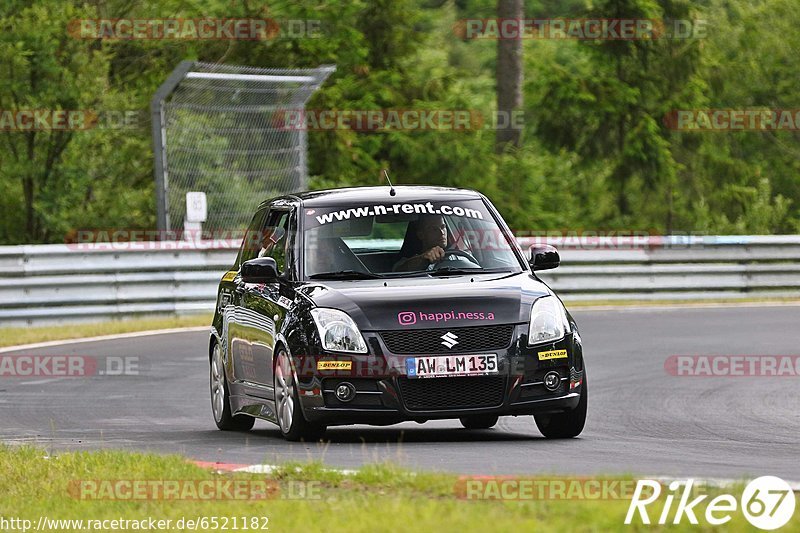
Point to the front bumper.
(386, 395)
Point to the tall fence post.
(157, 121)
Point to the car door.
(262, 308)
(235, 321)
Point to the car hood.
(427, 302)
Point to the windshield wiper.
(443, 270)
(345, 274)
(447, 271)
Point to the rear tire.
(220, 397)
(565, 425)
(479, 421)
(292, 423)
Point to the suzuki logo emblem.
(449, 340)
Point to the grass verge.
(309, 497)
(26, 335)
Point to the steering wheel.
(466, 255)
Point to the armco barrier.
(676, 267)
(53, 283)
(42, 284)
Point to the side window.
(251, 242)
(274, 237)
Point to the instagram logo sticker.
(407, 318)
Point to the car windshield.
(404, 239)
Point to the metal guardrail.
(675, 267)
(65, 283)
(42, 284)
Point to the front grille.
(429, 341)
(452, 393)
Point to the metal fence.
(43, 284)
(219, 129)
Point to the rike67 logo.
(767, 503)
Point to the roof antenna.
(392, 192)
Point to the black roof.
(404, 193)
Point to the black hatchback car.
(379, 305)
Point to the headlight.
(338, 331)
(548, 321)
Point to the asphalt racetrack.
(642, 420)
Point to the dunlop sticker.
(552, 354)
(334, 365)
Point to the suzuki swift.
(379, 305)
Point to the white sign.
(196, 207)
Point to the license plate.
(437, 366)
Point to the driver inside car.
(426, 244)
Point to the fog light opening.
(345, 391)
(551, 381)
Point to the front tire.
(565, 425)
(293, 425)
(479, 421)
(220, 397)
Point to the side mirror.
(544, 257)
(260, 270)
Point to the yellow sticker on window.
(552, 354)
(334, 365)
